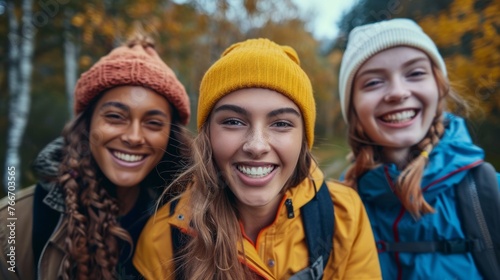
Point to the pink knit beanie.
(134, 65)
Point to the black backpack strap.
(478, 206)
(479, 199)
(458, 246)
(318, 218)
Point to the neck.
(127, 198)
(400, 157)
(254, 219)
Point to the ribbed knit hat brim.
(132, 66)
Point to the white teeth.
(128, 157)
(256, 171)
(400, 116)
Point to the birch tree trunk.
(20, 70)
(71, 51)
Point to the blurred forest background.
(46, 44)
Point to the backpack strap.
(457, 246)
(318, 218)
(478, 206)
(479, 199)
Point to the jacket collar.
(306, 190)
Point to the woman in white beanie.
(409, 155)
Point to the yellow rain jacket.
(280, 250)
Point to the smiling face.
(129, 132)
(395, 97)
(256, 136)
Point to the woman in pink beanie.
(102, 179)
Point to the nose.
(257, 143)
(398, 91)
(133, 135)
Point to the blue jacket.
(448, 164)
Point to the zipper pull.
(289, 208)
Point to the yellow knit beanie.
(258, 63)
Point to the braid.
(92, 229)
(408, 185)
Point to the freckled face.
(256, 136)
(129, 132)
(395, 97)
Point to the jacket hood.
(46, 164)
(454, 152)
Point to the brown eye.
(156, 123)
(113, 117)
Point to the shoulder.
(171, 214)
(154, 254)
(355, 255)
(350, 214)
(22, 197)
(17, 232)
(344, 197)
(18, 204)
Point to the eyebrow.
(126, 108)
(115, 104)
(286, 110)
(234, 108)
(415, 60)
(406, 64)
(242, 111)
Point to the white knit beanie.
(367, 40)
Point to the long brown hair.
(212, 252)
(367, 154)
(93, 234)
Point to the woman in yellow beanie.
(101, 180)
(258, 206)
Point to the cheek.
(364, 112)
(289, 146)
(221, 149)
(96, 137)
(160, 140)
(362, 104)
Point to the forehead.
(257, 98)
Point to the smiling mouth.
(128, 157)
(399, 117)
(256, 172)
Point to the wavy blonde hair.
(367, 154)
(212, 251)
